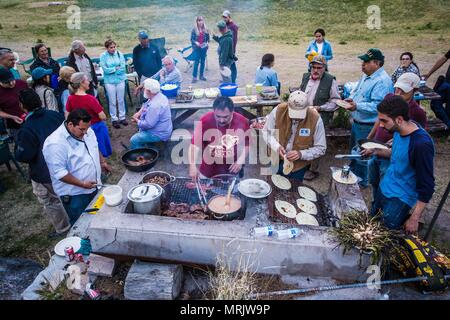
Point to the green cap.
(372, 54)
(221, 24)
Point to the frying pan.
(132, 155)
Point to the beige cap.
(320, 59)
(297, 104)
(407, 82)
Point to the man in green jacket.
(226, 53)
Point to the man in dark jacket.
(226, 53)
(81, 62)
(146, 57)
(38, 125)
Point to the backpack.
(413, 257)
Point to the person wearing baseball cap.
(153, 119)
(322, 91)
(372, 87)
(226, 55)
(41, 84)
(226, 15)
(295, 131)
(405, 87)
(146, 57)
(10, 109)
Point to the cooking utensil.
(203, 202)
(226, 216)
(149, 154)
(201, 191)
(148, 198)
(167, 186)
(348, 156)
(91, 210)
(230, 189)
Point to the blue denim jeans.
(233, 69)
(200, 60)
(377, 169)
(394, 211)
(437, 106)
(359, 131)
(142, 139)
(75, 205)
(297, 175)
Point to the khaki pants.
(53, 207)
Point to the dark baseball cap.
(142, 35)
(372, 54)
(6, 75)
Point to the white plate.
(352, 178)
(254, 188)
(75, 242)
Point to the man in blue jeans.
(153, 119)
(409, 180)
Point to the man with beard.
(409, 180)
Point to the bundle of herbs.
(366, 233)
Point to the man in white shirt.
(296, 133)
(74, 162)
(322, 91)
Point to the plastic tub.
(228, 89)
(113, 195)
(170, 93)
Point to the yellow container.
(259, 87)
(248, 90)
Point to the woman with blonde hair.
(199, 40)
(79, 99)
(62, 92)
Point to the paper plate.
(352, 178)
(254, 188)
(75, 242)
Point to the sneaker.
(116, 124)
(309, 175)
(124, 122)
(194, 80)
(203, 78)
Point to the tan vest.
(304, 137)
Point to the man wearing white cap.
(153, 119)
(405, 86)
(299, 135)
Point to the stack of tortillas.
(281, 182)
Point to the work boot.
(116, 124)
(310, 175)
(124, 122)
(203, 78)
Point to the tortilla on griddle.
(307, 193)
(285, 208)
(307, 206)
(281, 182)
(306, 219)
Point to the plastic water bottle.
(288, 233)
(267, 231)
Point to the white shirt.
(311, 90)
(319, 47)
(319, 145)
(64, 154)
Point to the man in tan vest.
(299, 134)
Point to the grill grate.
(324, 215)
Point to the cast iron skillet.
(362, 141)
(132, 155)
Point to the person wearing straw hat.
(296, 133)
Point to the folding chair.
(188, 56)
(6, 156)
(27, 63)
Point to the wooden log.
(345, 198)
(153, 281)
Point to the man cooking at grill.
(220, 139)
(296, 133)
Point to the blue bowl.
(170, 93)
(228, 92)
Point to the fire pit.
(324, 215)
(183, 201)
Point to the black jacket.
(53, 65)
(31, 137)
(71, 63)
